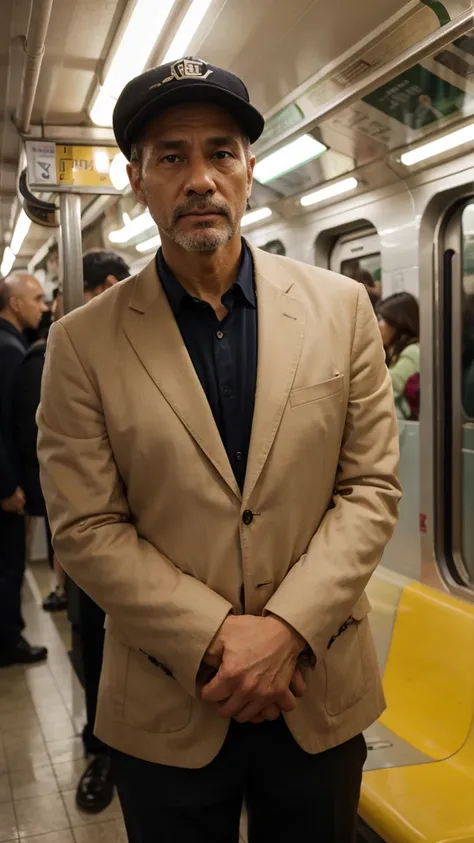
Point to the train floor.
(41, 752)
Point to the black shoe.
(96, 788)
(55, 602)
(22, 653)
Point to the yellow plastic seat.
(429, 685)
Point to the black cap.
(185, 80)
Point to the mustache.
(203, 205)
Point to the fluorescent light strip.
(329, 192)
(7, 262)
(131, 229)
(255, 216)
(288, 158)
(20, 231)
(101, 161)
(136, 45)
(436, 147)
(118, 172)
(186, 30)
(102, 109)
(148, 245)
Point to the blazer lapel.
(281, 321)
(154, 334)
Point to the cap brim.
(246, 115)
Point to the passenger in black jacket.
(21, 306)
(27, 394)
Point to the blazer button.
(247, 517)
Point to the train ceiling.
(293, 56)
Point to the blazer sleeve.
(162, 611)
(321, 589)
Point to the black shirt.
(224, 354)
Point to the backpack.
(411, 395)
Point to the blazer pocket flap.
(361, 608)
(305, 394)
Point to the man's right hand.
(15, 503)
(257, 662)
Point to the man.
(226, 515)
(101, 270)
(21, 307)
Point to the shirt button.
(220, 335)
(238, 456)
(227, 391)
(247, 517)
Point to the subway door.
(358, 256)
(452, 410)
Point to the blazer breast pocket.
(317, 391)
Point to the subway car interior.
(365, 168)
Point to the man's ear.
(135, 179)
(250, 167)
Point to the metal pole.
(34, 53)
(71, 251)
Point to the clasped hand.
(257, 676)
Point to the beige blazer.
(147, 516)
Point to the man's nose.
(44, 307)
(200, 179)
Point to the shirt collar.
(176, 293)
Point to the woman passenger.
(399, 323)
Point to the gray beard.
(201, 240)
(204, 239)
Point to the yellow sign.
(84, 166)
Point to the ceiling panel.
(79, 36)
(275, 45)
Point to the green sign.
(439, 9)
(418, 98)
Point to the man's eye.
(222, 154)
(170, 159)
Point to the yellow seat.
(429, 685)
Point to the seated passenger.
(399, 324)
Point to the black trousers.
(289, 794)
(91, 625)
(12, 570)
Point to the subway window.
(276, 247)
